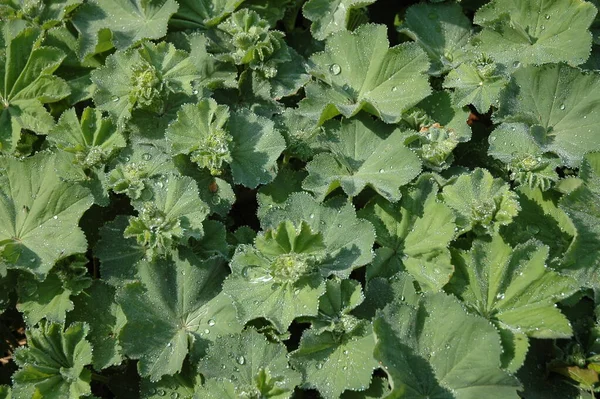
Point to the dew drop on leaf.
(241, 360)
(335, 69)
(211, 322)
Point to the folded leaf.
(329, 17)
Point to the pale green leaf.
(438, 350)
(515, 145)
(91, 138)
(442, 30)
(481, 202)
(128, 21)
(174, 306)
(558, 103)
(279, 278)
(478, 84)
(202, 14)
(53, 363)
(348, 240)
(181, 385)
(358, 71)
(362, 152)
(38, 220)
(251, 364)
(142, 78)
(535, 31)
(329, 17)
(415, 235)
(332, 363)
(171, 215)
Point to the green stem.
(100, 378)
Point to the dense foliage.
(299, 199)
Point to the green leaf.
(378, 389)
(414, 235)
(480, 202)
(5, 392)
(181, 385)
(535, 31)
(38, 220)
(513, 288)
(336, 353)
(51, 299)
(253, 365)
(202, 14)
(348, 240)
(557, 103)
(27, 84)
(96, 306)
(362, 152)
(248, 143)
(478, 84)
(460, 360)
(332, 362)
(279, 278)
(442, 30)
(515, 145)
(42, 14)
(128, 22)
(329, 17)
(141, 78)
(91, 138)
(173, 214)
(173, 308)
(53, 364)
(357, 71)
(274, 194)
(582, 259)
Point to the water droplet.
(346, 351)
(174, 395)
(481, 83)
(381, 170)
(241, 360)
(195, 92)
(394, 88)
(562, 107)
(516, 64)
(211, 322)
(207, 331)
(312, 216)
(319, 366)
(500, 296)
(161, 392)
(55, 217)
(115, 99)
(335, 69)
(547, 16)
(169, 345)
(146, 156)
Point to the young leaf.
(27, 84)
(442, 30)
(142, 78)
(128, 22)
(348, 240)
(249, 143)
(477, 83)
(279, 278)
(515, 145)
(254, 366)
(535, 31)
(38, 220)
(363, 152)
(513, 288)
(53, 364)
(480, 202)
(555, 101)
(44, 14)
(460, 360)
(414, 235)
(92, 139)
(173, 308)
(329, 17)
(582, 259)
(173, 216)
(358, 71)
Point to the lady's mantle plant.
(299, 198)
